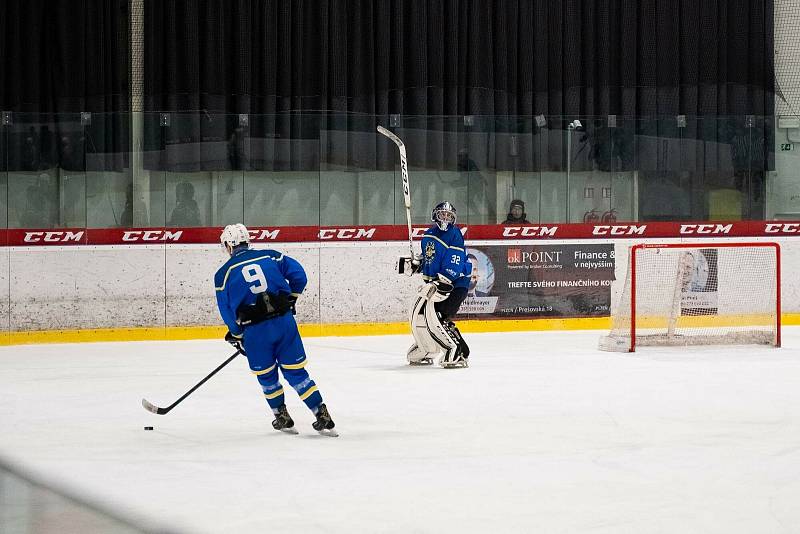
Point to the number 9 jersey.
(249, 272)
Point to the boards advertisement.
(540, 281)
(699, 290)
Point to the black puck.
(148, 428)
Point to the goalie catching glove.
(443, 289)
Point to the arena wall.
(61, 288)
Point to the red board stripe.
(300, 234)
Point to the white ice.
(542, 433)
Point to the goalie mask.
(234, 235)
(443, 215)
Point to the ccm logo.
(529, 231)
(261, 235)
(151, 235)
(706, 228)
(346, 233)
(623, 229)
(782, 228)
(52, 237)
(420, 232)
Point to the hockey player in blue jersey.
(446, 273)
(256, 291)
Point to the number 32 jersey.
(443, 253)
(250, 272)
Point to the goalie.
(446, 273)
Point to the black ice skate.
(324, 424)
(283, 421)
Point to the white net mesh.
(698, 295)
(787, 57)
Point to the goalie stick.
(150, 407)
(406, 186)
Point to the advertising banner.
(699, 290)
(540, 281)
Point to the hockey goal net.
(698, 294)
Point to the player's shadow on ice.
(334, 348)
(360, 436)
(405, 368)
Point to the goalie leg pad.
(457, 358)
(456, 334)
(440, 334)
(419, 325)
(430, 336)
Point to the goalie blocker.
(408, 265)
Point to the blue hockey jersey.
(443, 253)
(249, 272)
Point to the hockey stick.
(406, 185)
(150, 407)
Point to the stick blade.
(396, 140)
(150, 407)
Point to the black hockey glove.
(235, 341)
(267, 306)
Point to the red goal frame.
(769, 244)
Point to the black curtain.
(461, 57)
(570, 58)
(61, 58)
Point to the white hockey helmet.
(234, 235)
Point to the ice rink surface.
(543, 433)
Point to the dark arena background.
(624, 174)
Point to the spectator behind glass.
(186, 211)
(516, 213)
(31, 154)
